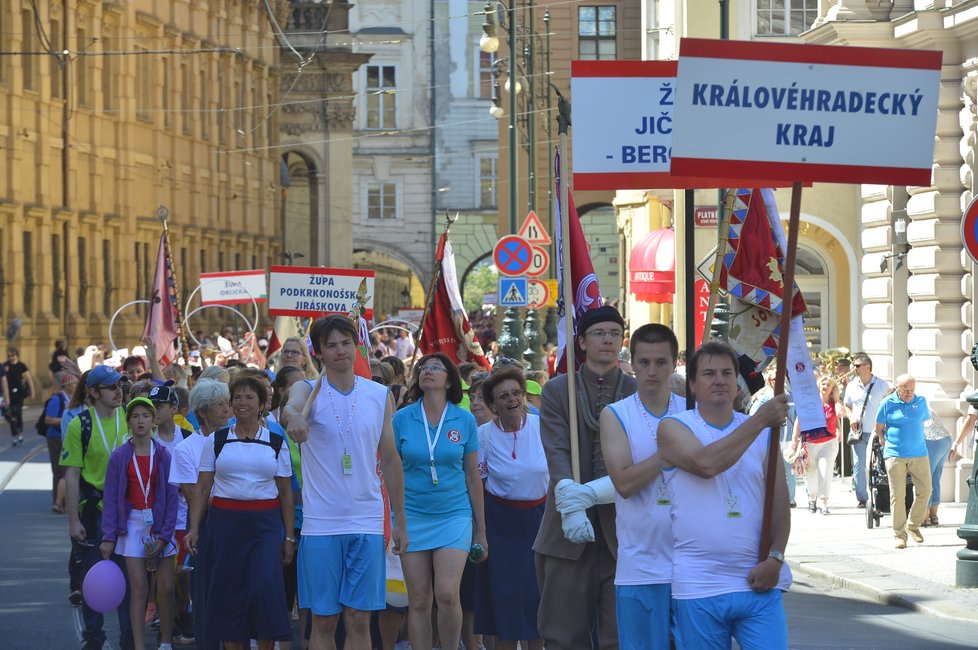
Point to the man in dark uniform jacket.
(576, 547)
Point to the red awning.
(652, 266)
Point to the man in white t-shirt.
(714, 466)
(344, 430)
(862, 399)
(628, 442)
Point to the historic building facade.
(112, 109)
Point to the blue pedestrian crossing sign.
(512, 292)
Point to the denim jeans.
(90, 557)
(859, 467)
(937, 452)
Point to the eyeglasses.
(600, 334)
(513, 393)
(432, 368)
(477, 376)
(859, 365)
(114, 387)
(292, 353)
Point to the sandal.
(933, 521)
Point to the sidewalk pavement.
(840, 549)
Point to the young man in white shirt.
(629, 444)
(862, 399)
(344, 426)
(714, 466)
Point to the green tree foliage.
(481, 280)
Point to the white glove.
(570, 496)
(577, 528)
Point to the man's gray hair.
(206, 393)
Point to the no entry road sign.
(512, 255)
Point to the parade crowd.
(437, 504)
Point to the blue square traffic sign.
(512, 292)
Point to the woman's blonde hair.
(307, 366)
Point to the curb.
(886, 591)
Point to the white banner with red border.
(311, 292)
(626, 143)
(806, 112)
(233, 288)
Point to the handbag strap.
(869, 392)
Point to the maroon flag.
(161, 319)
(446, 328)
(584, 282)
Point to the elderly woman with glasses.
(438, 444)
(513, 463)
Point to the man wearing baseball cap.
(91, 438)
(577, 545)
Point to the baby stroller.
(879, 486)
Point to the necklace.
(347, 460)
(645, 413)
(499, 424)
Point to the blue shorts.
(337, 571)
(644, 615)
(757, 621)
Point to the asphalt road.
(35, 613)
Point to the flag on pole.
(446, 328)
(161, 318)
(284, 328)
(361, 365)
(752, 274)
(586, 294)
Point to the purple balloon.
(104, 586)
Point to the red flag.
(361, 365)
(586, 294)
(446, 328)
(285, 327)
(161, 319)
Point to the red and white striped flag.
(161, 318)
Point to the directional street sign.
(539, 261)
(533, 231)
(512, 292)
(512, 256)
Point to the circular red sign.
(512, 255)
(969, 229)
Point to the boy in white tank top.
(343, 426)
(629, 444)
(713, 463)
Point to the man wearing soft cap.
(576, 547)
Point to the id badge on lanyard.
(147, 512)
(432, 443)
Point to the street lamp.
(488, 43)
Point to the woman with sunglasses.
(513, 463)
(438, 444)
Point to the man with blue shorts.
(628, 441)
(343, 426)
(714, 466)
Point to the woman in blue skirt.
(250, 512)
(513, 463)
(438, 444)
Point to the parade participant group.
(256, 494)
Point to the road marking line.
(23, 461)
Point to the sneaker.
(155, 623)
(91, 644)
(824, 510)
(14, 442)
(915, 533)
(812, 507)
(75, 598)
(900, 543)
(166, 646)
(20, 440)
(861, 504)
(183, 639)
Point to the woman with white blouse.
(513, 463)
(248, 475)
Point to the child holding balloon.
(139, 515)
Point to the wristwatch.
(777, 555)
(292, 539)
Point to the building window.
(381, 200)
(57, 290)
(144, 85)
(27, 62)
(83, 283)
(108, 99)
(785, 17)
(55, 61)
(167, 81)
(486, 59)
(205, 104)
(108, 304)
(488, 175)
(28, 272)
(81, 70)
(597, 33)
(187, 99)
(381, 97)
